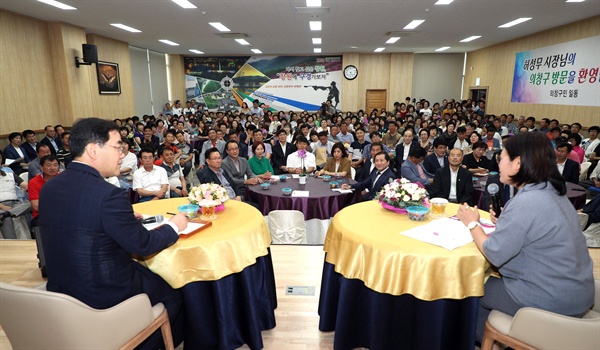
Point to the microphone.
(493, 190)
(153, 219)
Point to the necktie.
(376, 178)
(421, 173)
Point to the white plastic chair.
(38, 319)
(583, 168)
(25, 176)
(353, 173)
(533, 328)
(287, 227)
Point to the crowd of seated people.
(417, 136)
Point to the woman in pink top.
(575, 140)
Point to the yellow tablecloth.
(236, 238)
(364, 242)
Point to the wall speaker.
(90, 53)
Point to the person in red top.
(50, 168)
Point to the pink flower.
(302, 153)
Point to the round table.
(384, 290)
(318, 208)
(221, 270)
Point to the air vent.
(401, 33)
(311, 10)
(233, 35)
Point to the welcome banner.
(281, 82)
(564, 74)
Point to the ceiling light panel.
(414, 24)
(185, 4)
(575, 0)
(315, 25)
(392, 40)
(379, 49)
(444, 2)
(515, 22)
(242, 42)
(257, 51)
(313, 3)
(197, 51)
(168, 42)
(317, 50)
(219, 26)
(125, 27)
(60, 5)
(444, 48)
(471, 38)
(316, 41)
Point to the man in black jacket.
(453, 182)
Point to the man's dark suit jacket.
(368, 183)
(431, 164)
(46, 141)
(88, 233)
(206, 175)
(571, 171)
(279, 156)
(30, 150)
(464, 185)
(364, 171)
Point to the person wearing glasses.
(89, 230)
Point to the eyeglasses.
(123, 148)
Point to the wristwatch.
(473, 224)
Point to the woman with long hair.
(338, 163)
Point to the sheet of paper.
(342, 191)
(297, 193)
(191, 227)
(296, 176)
(8, 162)
(445, 232)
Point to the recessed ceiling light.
(515, 22)
(256, 51)
(414, 24)
(197, 51)
(185, 4)
(168, 42)
(379, 49)
(392, 40)
(317, 50)
(313, 3)
(471, 38)
(60, 5)
(354, 47)
(443, 48)
(315, 25)
(575, 0)
(127, 28)
(316, 41)
(242, 42)
(219, 26)
(444, 2)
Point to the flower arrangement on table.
(399, 194)
(302, 155)
(209, 191)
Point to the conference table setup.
(315, 199)
(381, 289)
(225, 274)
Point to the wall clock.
(350, 72)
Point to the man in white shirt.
(129, 163)
(301, 158)
(590, 144)
(188, 108)
(461, 141)
(345, 136)
(150, 181)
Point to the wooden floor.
(297, 319)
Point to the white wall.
(437, 76)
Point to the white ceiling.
(275, 28)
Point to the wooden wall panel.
(495, 66)
(27, 92)
(112, 106)
(401, 77)
(375, 69)
(350, 98)
(176, 78)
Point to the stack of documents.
(445, 232)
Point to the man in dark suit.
(213, 172)
(439, 157)
(89, 231)
(377, 179)
(238, 167)
(49, 139)
(29, 144)
(568, 168)
(369, 164)
(453, 182)
(281, 150)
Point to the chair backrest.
(287, 227)
(25, 176)
(353, 173)
(38, 319)
(583, 168)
